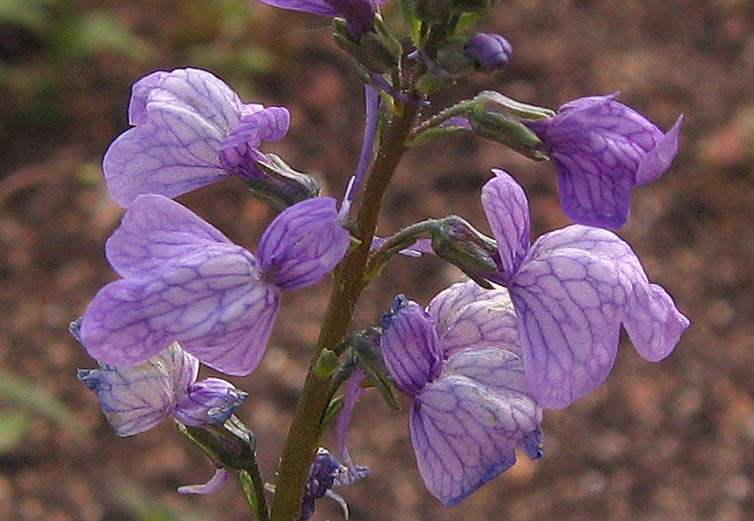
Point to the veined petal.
(303, 243)
(212, 303)
(507, 211)
(181, 119)
(211, 400)
(458, 438)
(468, 316)
(571, 295)
(590, 194)
(135, 399)
(658, 160)
(238, 150)
(157, 232)
(410, 346)
(601, 148)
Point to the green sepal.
(436, 132)
(332, 411)
(247, 485)
(366, 347)
(230, 445)
(327, 364)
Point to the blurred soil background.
(668, 441)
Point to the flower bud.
(488, 51)
(496, 117)
(456, 241)
(211, 400)
(282, 186)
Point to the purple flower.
(601, 149)
(460, 362)
(324, 474)
(359, 14)
(184, 281)
(190, 130)
(571, 290)
(135, 399)
(489, 51)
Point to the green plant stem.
(303, 435)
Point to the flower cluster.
(536, 327)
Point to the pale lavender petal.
(410, 346)
(238, 151)
(211, 302)
(458, 434)
(181, 119)
(658, 160)
(507, 211)
(352, 393)
(303, 243)
(571, 295)
(468, 316)
(135, 399)
(156, 232)
(213, 485)
(211, 400)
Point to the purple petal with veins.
(209, 298)
(238, 151)
(182, 120)
(571, 295)
(410, 346)
(211, 400)
(468, 316)
(303, 243)
(601, 149)
(507, 211)
(135, 399)
(465, 424)
(157, 232)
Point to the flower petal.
(213, 485)
(571, 295)
(507, 211)
(468, 316)
(212, 303)
(181, 119)
(238, 151)
(211, 400)
(157, 232)
(458, 440)
(135, 399)
(410, 346)
(303, 243)
(658, 160)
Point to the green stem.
(401, 240)
(303, 435)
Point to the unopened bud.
(497, 117)
(488, 51)
(456, 241)
(377, 50)
(282, 186)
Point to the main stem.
(303, 435)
